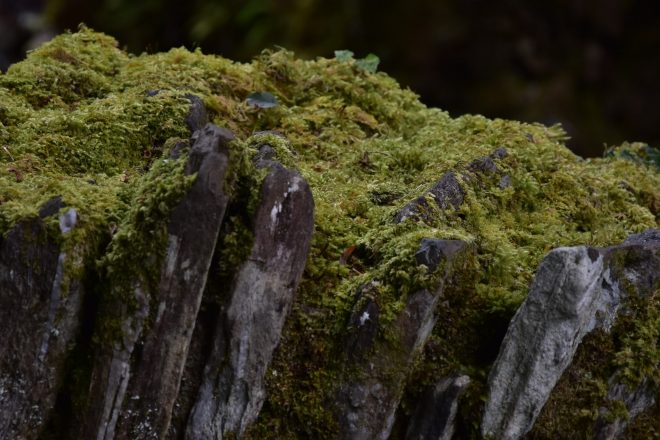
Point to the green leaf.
(262, 100)
(369, 63)
(343, 55)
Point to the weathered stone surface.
(367, 403)
(432, 251)
(447, 192)
(39, 321)
(250, 324)
(636, 401)
(197, 117)
(434, 416)
(136, 392)
(575, 291)
(364, 321)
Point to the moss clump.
(81, 119)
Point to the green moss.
(81, 119)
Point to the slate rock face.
(367, 402)
(448, 192)
(249, 327)
(575, 291)
(136, 394)
(436, 411)
(39, 320)
(636, 401)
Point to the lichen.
(81, 119)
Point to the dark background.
(591, 65)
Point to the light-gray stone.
(575, 291)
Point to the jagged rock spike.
(232, 390)
(137, 394)
(575, 291)
(39, 321)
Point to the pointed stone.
(250, 326)
(135, 392)
(367, 401)
(40, 315)
(435, 414)
(575, 291)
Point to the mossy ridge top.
(78, 119)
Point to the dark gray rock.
(134, 391)
(636, 401)
(504, 182)
(265, 154)
(249, 327)
(483, 165)
(197, 117)
(435, 413)
(432, 251)
(51, 207)
(499, 153)
(575, 291)
(39, 321)
(447, 192)
(367, 400)
(364, 323)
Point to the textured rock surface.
(249, 327)
(575, 291)
(636, 401)
(137, 393)
(39, 319)
(94, 193)
(447, 192)
(434, 416)
(368, 401)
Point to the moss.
(81, 119)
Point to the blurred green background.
(591, 65)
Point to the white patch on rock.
(364, 318)
(277, 208)
(171, 256)
(68, 220)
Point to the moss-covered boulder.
(148, 262)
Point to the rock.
(483, 165)
(364, 322)
(135, 392)
(40, 305)
(249, 327)
(432, 251)
(575, 291)
(447, 192)
(378, 309)
(51, 207)
(434, 415)
(504, 182)
(197, 117)
(367, 401)
(636, 401)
